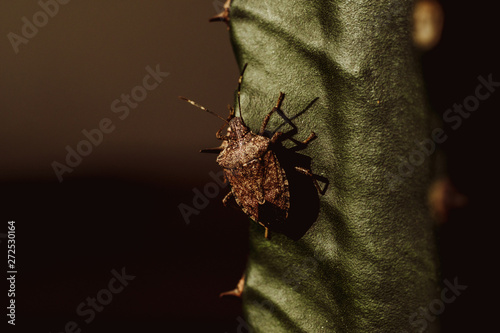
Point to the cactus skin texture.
(368, 263)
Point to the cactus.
(368, 262)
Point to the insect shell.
(258, 183)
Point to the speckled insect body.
(259, 184)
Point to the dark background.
(119, 207)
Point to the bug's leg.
(231, 113)
(303, 144)
(266, 119)
(236, 291)
(215, 150)
(219, 135)
(311, 137)
(288, 121)
(227, 198)
(266, 232)
(308, 172)
(276, 136)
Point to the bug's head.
(237, 128)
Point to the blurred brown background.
(89, 54)
(119, 207)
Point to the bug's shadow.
(303, 186)
(304, 196)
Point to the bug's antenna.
(239, 88)
(202, 107)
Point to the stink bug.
(259, 184)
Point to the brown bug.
(259, 184)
